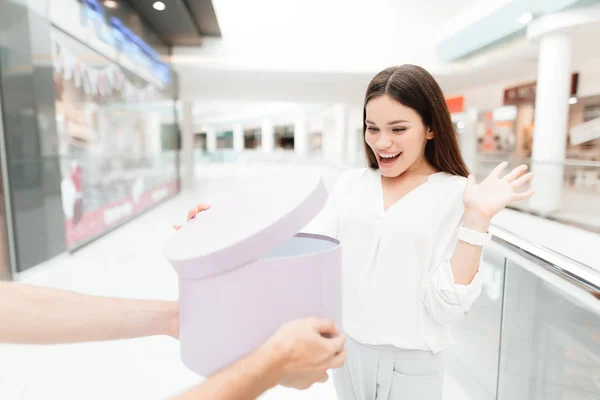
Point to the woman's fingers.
(522, 180)
(515, 173)
(199, 208)
(498, 170)
(193, 212)
(522, 195)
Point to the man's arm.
(245, 380)
(297, 355)
(38, 315)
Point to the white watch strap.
(473, 237)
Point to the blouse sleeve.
(326, 221)
(446, 301)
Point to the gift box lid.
(257, 217)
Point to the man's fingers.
(323, 378)
(339, 359)
(336, 345)
(325, 327)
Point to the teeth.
(388, 156)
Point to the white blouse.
(398, 287)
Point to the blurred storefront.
(584, 129)
(90, 135)
(508, 130)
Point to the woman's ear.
(429, 134)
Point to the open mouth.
(388, 159)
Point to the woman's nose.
(383, 143)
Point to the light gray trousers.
(388, 373)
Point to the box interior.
(298, 246)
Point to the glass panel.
(116, 154)
(5, 272)
(473, 360)
(580, 188)
(550, 342)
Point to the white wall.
(589, 76)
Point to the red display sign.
(95, 222)
(455, 104)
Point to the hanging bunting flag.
(103, 82)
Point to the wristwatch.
(473, 237)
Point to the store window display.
(252, 138)
(497, 131)
(113, 164)
(225, 140)
(284, 137)
(316, 143)
(584, 111)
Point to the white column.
(468, 139)
(355, 137)
(340, 116)
(551, 122)
(267, 136)
(301, 135)
(238, 138)
(211, 140)
(187, 144)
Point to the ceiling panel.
(181, 23)
(204, 16)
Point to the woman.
(411, 226)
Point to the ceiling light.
(525, 18)
(159, 5)
(110, 3)
(573, 100)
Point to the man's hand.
(309, 348)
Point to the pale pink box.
(244, 269)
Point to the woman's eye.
(372, 129)
(398, 130)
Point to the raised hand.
(192, 213)
(494, 193)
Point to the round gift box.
(244, 270)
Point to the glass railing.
(534, 333)
(579, 204)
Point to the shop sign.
(520, 94)
(585, 132)
(525, 94)
(117, 35)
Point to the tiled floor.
(127, 262)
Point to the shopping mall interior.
(119, 116)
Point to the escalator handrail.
(576, 272)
